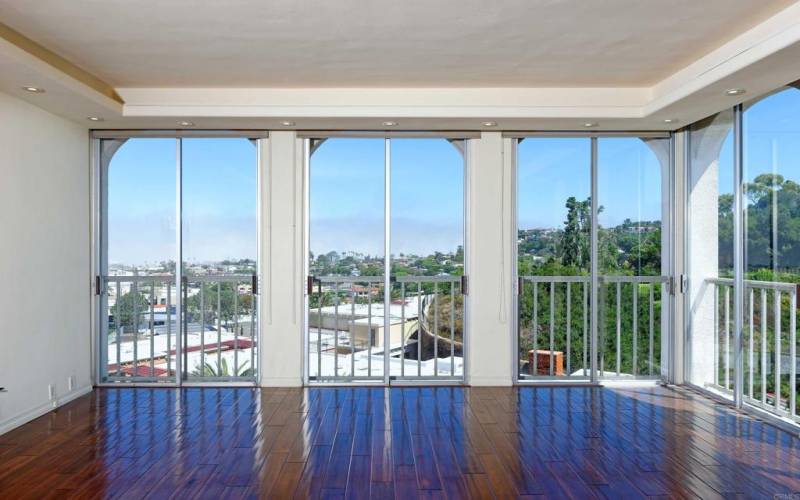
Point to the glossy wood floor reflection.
(397, 443)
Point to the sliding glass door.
(743, 249)
(592, 278)
(385, 259)
(167, 200)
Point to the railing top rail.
(140, 279)
(427, 279)
(223, 278)
(349, 279)
(634, 279)
(164, 278)
(556, 279)
(604, 278)
(379, 279)
(770, 285)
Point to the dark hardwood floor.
(401, 442)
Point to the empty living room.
(378, 249)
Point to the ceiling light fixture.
(94, 118)
(735, 91)
(670, 120)
(287, 124)
(186, 124)
(590, 124)
(389, 124)
(489, 124)
(34, 90)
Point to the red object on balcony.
(144, 371)
(543, 362)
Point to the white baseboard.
(281, 382)
(25, 417)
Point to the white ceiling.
(384, 43)
(426, 64)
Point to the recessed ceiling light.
(34, 90)
(670, 120)
(94, 118)
(735, 91)
(489, 124)
(389, 124)
(590, 124)
(186, 124)
(287, 124)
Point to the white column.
(281, 292)
(703, 193)
(490, 236)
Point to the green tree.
(130, 305)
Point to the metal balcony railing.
(218, 332)
(428, 290)
(769, 348)
(625, 348)
(347, 321)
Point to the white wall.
(44, 261)
(489, 254)
(281, 298)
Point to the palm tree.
(223, 370)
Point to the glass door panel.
(771, 224)
(554, 257)
(632, 286)
(220, 242)
(138, 323)
(427, 258)
(346, 259)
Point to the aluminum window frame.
(593, 379)
(98, 253)
(305, 138)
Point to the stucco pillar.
(706, 143)
(281, 252)
(489, 341)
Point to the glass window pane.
(771, 189)
(220, 238)
(427, 238)
(139, 256)
(554, 260)
(346, 244)
(630, 172)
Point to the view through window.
(354, 328)
(143, 337)
(554, 217)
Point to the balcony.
(347, 320)
(769, 344)
(554, 331)
(218, 330)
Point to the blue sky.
(427, 188)
(771, 140)
(427, 198)
(219, 200)
(553, 169)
